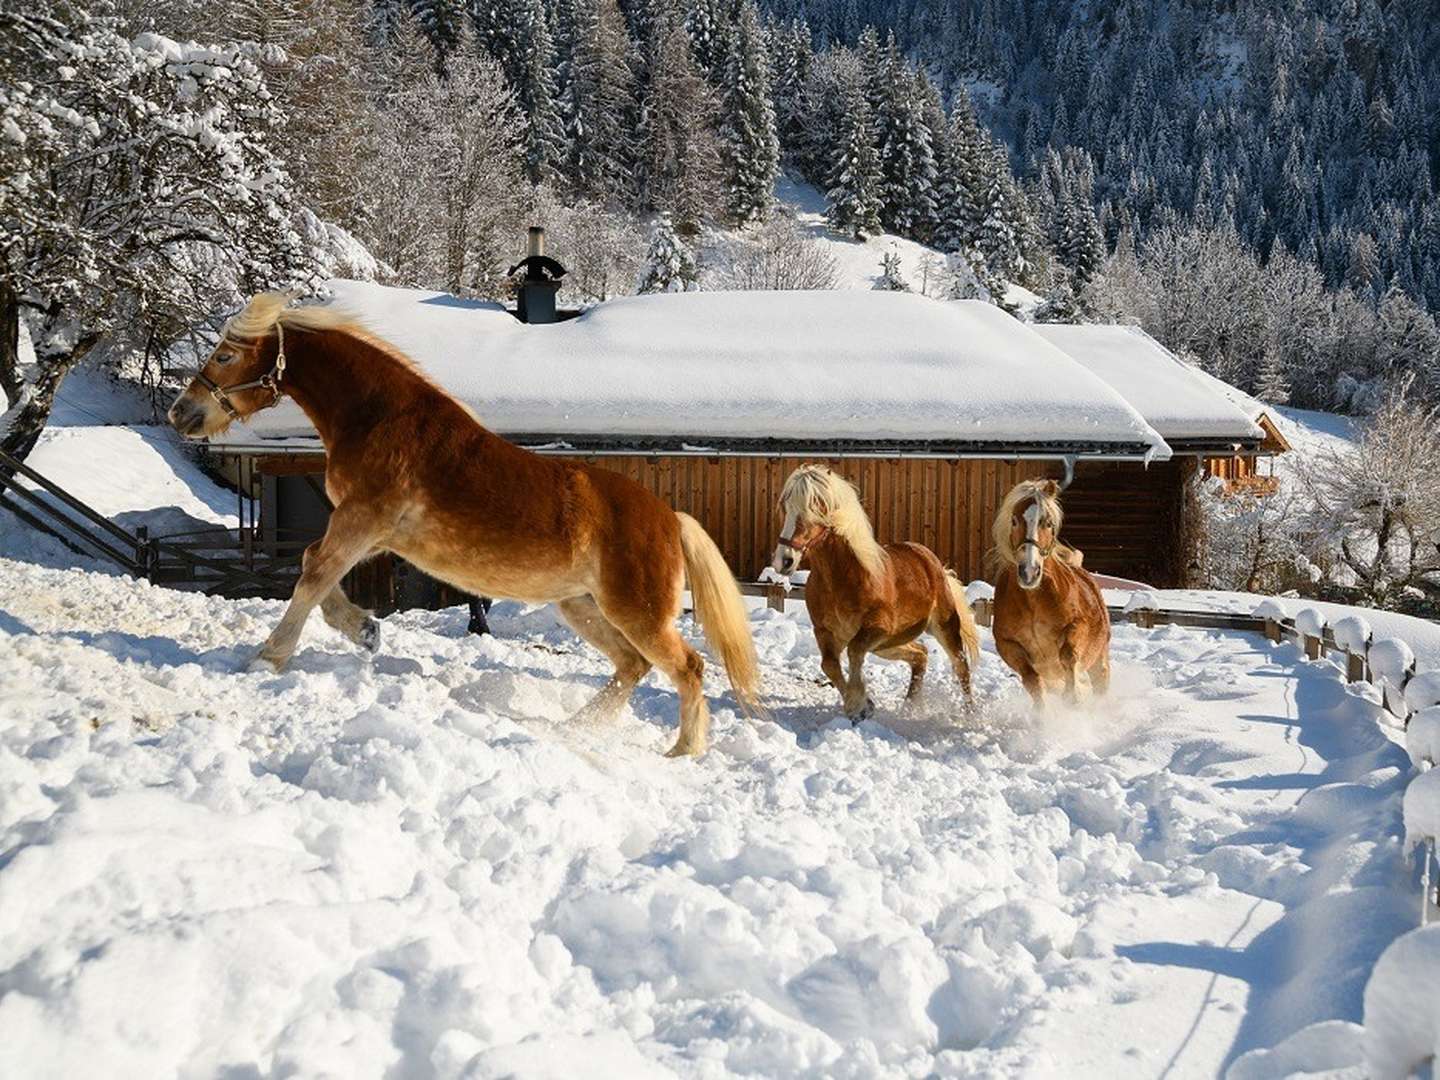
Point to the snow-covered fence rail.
(65, 517)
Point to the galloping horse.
(1050, 622)
(412, 471)
(866, 598)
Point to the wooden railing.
(221, 561)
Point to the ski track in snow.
(413, 865)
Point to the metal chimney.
(535, 297)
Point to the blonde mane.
(267, 310)
(815, 494)
(1023, 492)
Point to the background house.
(710, 399)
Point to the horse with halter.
(1050, 623)
(411, 470)
(864, 597)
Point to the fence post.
(143, 552)
(1313, 647)
(1354, 667)
(1272, 631)
(775, 597)
(984, 611)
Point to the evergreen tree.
(854, 194)
(750, 149)
(598, 102)
(891, 278)
(1271, 385)
(683, 174)
(669, 266)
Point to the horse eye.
(224, 357)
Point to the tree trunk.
(10, 380)
(26, 423)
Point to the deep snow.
(413, 865)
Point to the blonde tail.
(969, 632)
(721, 612)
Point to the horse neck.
(342, 382)
(834, 556)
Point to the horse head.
(241, 376)
(1027, 529)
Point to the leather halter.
(799, 548)
(269, 381)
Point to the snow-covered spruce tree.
(449, 179)
(1082, 246)
(683, 173)
(791, 60)
(892, 278)
(907, 156)
(517, 35)
(854, 194)
(751, 151)
(138, 187)
(1271, 385)
(669, 265)
(598, 102)
(963, 175)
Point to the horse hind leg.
(914, 654)
(1100, 675)
(357, 624)
(584, 617)
(947, 630)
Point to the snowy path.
(414, 866)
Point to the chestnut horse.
(864, 597)
(1050, 622)
(410, 470)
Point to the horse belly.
(530, 577)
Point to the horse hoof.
(259, 665)
(369, 638)
(681, 750)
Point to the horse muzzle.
(187, 417)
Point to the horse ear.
(1051, 488)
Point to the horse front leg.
(1077, 677)
(858, 705)
(348, 538)
(1018, 660)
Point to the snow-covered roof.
(1180, 401)
(752, 370)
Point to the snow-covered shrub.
(1246, 539)
(1374, 508)
(967, 278)
(669, 265)
(891, 278)
(777, 255)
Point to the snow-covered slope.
(414, 865)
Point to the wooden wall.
(1125, 517)
(1114, 510)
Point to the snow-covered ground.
(857, 262)
(413, 865)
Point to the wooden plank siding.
(931, 501)
(1125, 517)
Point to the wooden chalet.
(934, 410)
